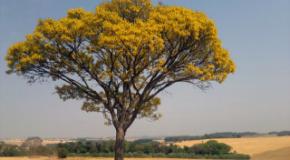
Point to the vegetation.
(32, 142)
(248, 145)
(148, 148)
(31, 146)
(9, 150)
(210, 149)
(224, 135)
(120, 57)
(210, 136)
(281, 133)
(62, 152)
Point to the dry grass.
(280, 154)
(277, 148)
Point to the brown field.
(280, 154)
(260, 148)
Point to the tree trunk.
(119, 144)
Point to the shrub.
(211, 147)
(62, 153)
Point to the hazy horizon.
(256, 98)
(259, 134)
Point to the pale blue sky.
(255, 98)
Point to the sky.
(255, 98)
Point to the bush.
(211, 147)
(62, 153)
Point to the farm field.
(259, 148)
(19, 142)
(280, 154)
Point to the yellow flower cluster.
(180, 21)
(22, 54)
(130, 9)
(130, 38)
(128, 30)
(192, 69)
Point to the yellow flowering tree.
(118, 58)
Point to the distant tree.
(32, 142)
(211, 147)
(281, 133)
(120, 57)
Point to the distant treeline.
(281, 133)
(223, 135)
(210, 136)
(140, 148)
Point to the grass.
(280, 154)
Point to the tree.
(211, 147)
(120, 57)
(32, 142)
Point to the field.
(18, 142)
(260, 148)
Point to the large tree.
(120, 57)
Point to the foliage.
(9, 150)
(142, 141)
(211, 149)
(130, 49)
(62, 153)
(32, 142)
(281, 133)
(142, 148)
